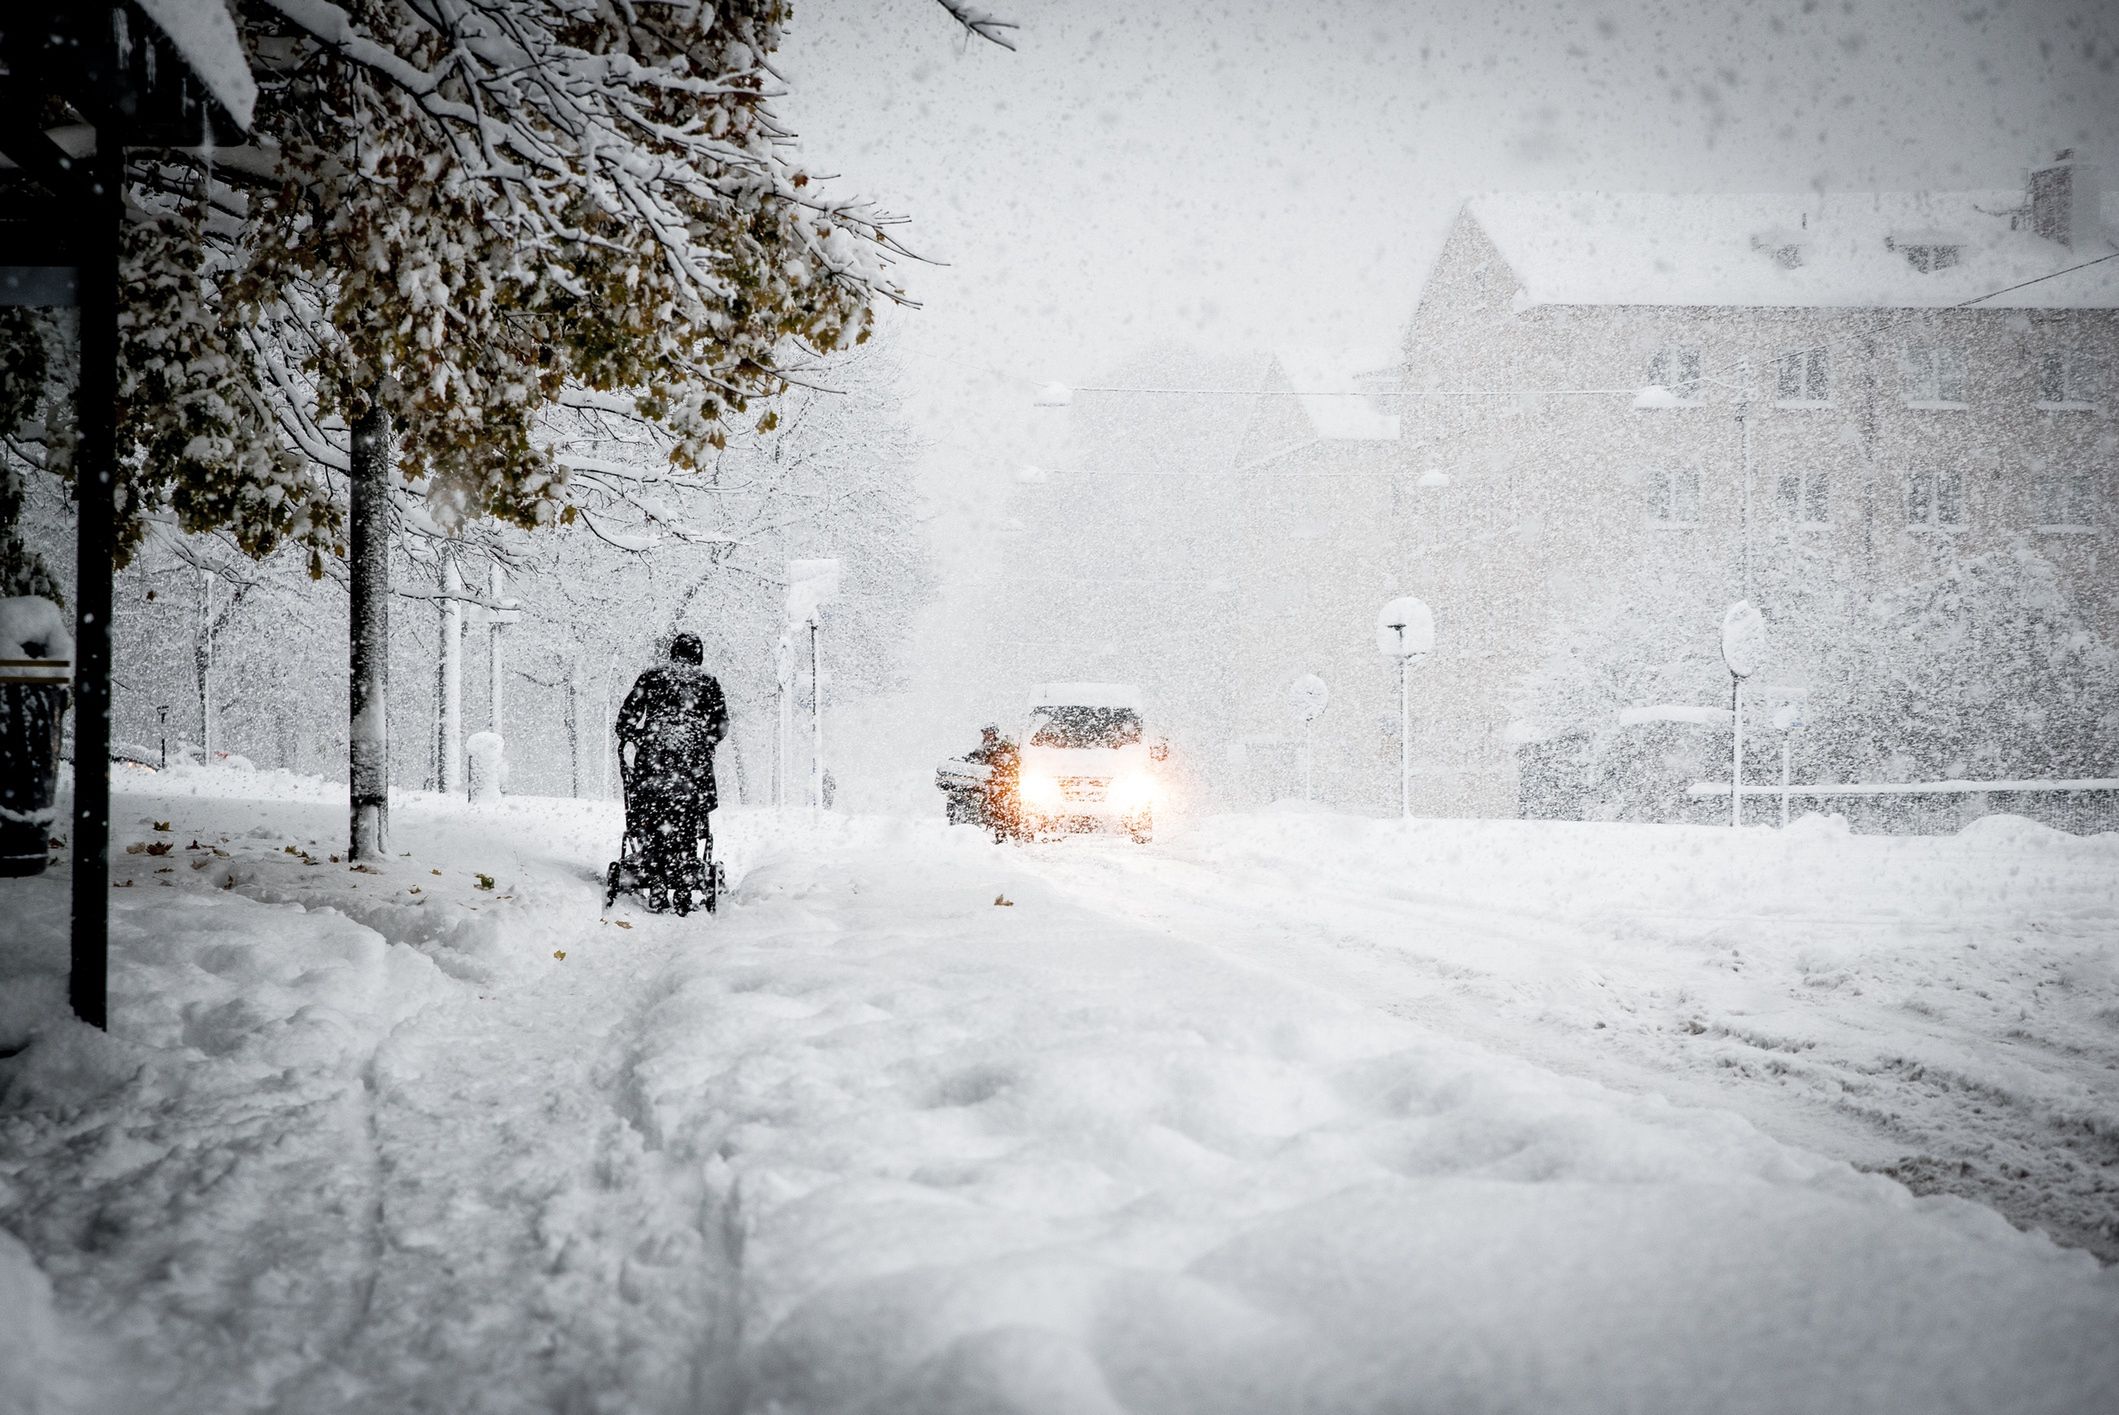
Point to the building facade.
(1696, 393)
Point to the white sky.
(1263, 173)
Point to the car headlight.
(1133, 792)
(1038, 789)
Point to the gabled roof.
(1599, 248)
(1331, 400)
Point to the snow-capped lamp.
(1054, 395)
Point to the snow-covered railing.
(1907, 788)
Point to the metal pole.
(1736, 753)
(816, 706)
(95, 495)
(162, 719)
(1743, 422)
(1784, 781)
(451, 739)
(1306, 760)
(1405, 736)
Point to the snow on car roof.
(1849, 249)
(1112, 695)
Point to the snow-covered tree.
(1982, 667)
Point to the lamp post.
(1405, 630)
(1744, 647)
(1307, 696)
(809, 584)
(495, 615)
(784, 737)
(1788, 717)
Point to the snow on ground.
(1943, 1010)
(921, 1124)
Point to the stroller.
(690, 881)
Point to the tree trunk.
(202, 663)
(573, 730)
(368, 699)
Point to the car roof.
(1102, 695)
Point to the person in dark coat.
(1002, 763)
(673, 719)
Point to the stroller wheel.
(610, 885)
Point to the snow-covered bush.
(1982, 668)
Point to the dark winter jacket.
(674, 717)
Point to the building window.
(2067, 500)
(1934, 375)
(1677, 368)
(1803, 376)
(1806, 497)
(1935, 499)
(2067, 376)
(1674, 496)
(1926, 257)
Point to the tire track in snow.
(1835, 1087)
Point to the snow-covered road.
(1946, 1011)
(1262, 1119)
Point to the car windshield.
(1085, 727)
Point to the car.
(1087, 762)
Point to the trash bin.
(36, 665)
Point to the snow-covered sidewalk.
(916, 1124)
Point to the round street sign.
(1744, 644)
(1307, 696)
(1405, 628)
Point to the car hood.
(1085, 761)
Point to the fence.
(2085, 806)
